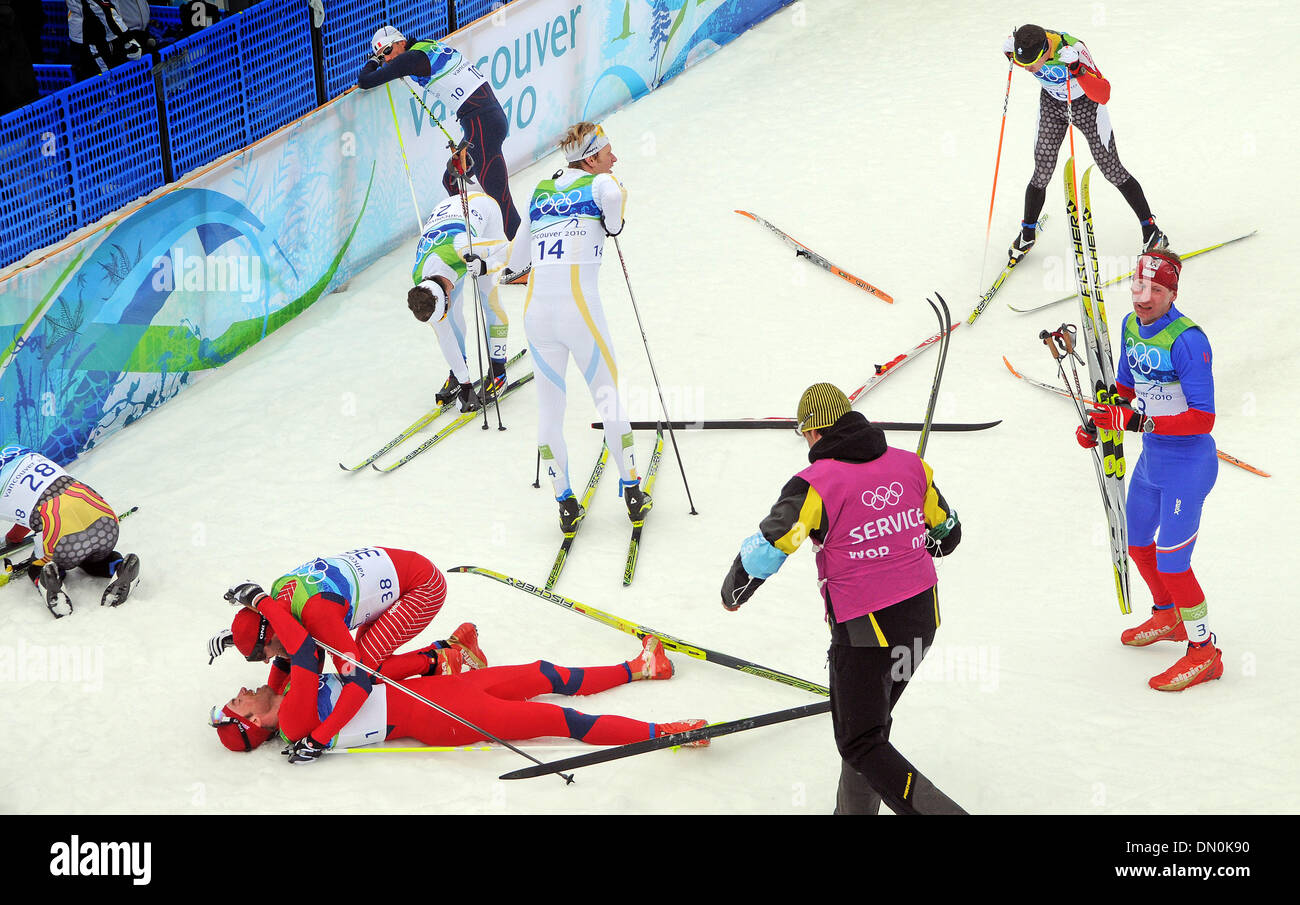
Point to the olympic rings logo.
(883, 496)
(559, 204)
(1142, 358)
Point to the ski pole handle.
(1049, 340)
(1068, 336)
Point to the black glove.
(218, 643)
(474, 265)
(738, 586)
(305, 750)
(246, 593)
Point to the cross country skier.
(387, 596)
(452, 79)
(73, 527)
(568, 219)
(307, 713)
(1166, 372)
(443, 261)
(876, 520)
(1072, 85)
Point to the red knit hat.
(251, 632)
(237, 733)
(1158, 267)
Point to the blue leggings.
(1166, 492)
(485, 126)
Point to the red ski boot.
(1164, 625)
(1201, 663)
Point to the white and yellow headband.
(591, 145)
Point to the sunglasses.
(1042, 53)
(218, 719)
(387, 51)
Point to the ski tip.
(462, 568)
(746, 214)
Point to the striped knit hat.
(820, 406)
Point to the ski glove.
(943, 538)
(1087, 438)
(305, 750)
(474, 265)
(246, 593)
(1070, 57)
(1109, 417)
(738, 586)
(218, 643)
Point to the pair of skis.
(428, 418)
(669, 643)
(634, 544)
(1109, 457)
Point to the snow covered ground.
(868, 133)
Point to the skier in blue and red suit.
(1166, 375)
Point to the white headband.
(582, 151)
(434, 288)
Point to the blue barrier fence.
(50, 79)
(87, 148)
(74, 156)
(469, 10)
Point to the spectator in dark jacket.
(98, 38)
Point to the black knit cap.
(1031, 42)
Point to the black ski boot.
(638, 502)
(1021, 244)
(1153, 238)
(450, 390)
(49, 584)
(571, 512)
(123, 583)
(469, 401)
